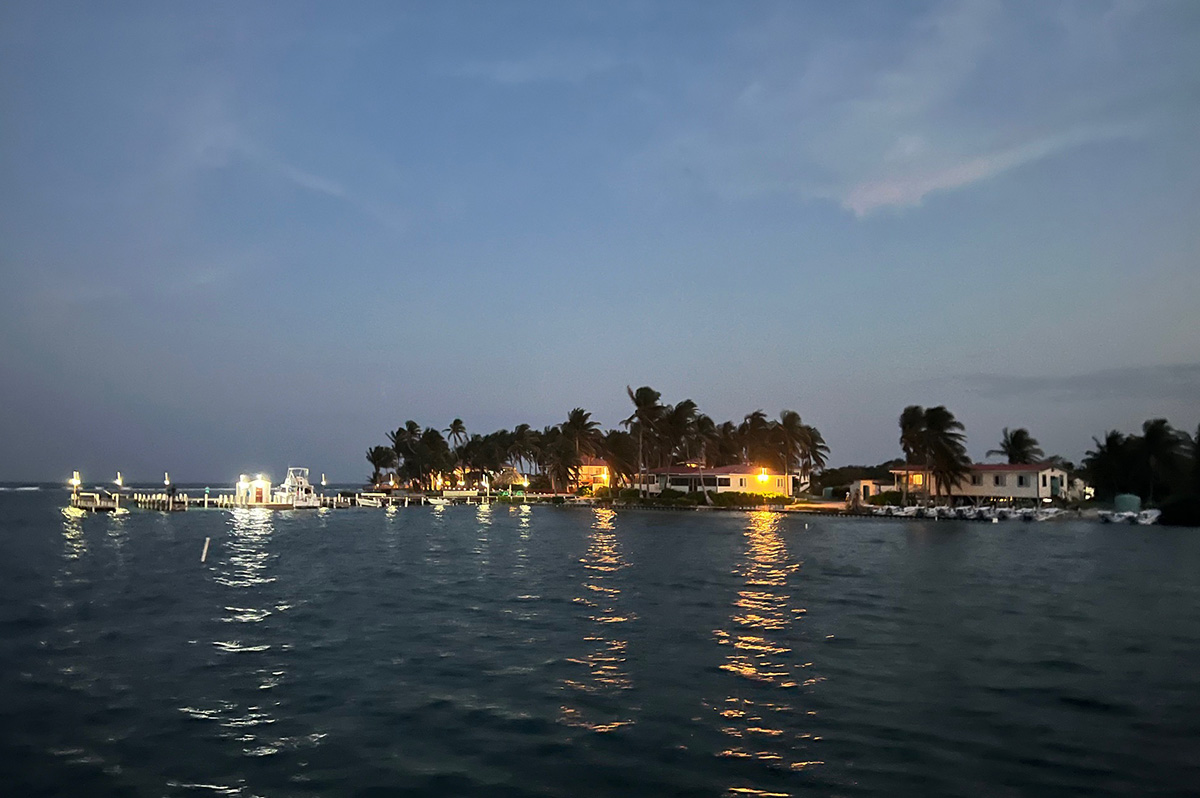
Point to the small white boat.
(368, 501)
(438, 501)
(1112, 517)
(1148, 517)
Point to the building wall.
(1038, 485)
(719, 483)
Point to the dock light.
(119, 481)
(762, 477)
(323, 482)
(166, 478)
(75, 481)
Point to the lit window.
(918, 479)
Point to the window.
(741, 482)
(723, 482)
(998, 480)
(918, 479)
(679, 482)
(1022, 481)
(1043, 480)
(710, 482)
(977, 479)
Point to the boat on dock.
(297, 492)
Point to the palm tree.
(674, 430)
(582, 431)
(646, 413)
(728, 445)
(1019, 447)
(945, 446)
(1160, 453)
(755, 432)
(380, 458)
(912, 441)
(790, 434)
(812, 450)
(704, 436)
(457, 431)
(1107, 464)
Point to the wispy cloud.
(947, 101)
(910, 188)
(213, 137)
(1178, 381)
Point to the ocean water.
(550, 651)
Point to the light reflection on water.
(244, 571)
(754, 716)
(607, 648)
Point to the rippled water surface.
(548, 651)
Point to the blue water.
(551, 651)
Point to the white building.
(719, 479)
(994, 482)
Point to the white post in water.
(204, 554)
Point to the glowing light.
(118, 480)
(75, 481)
(762, 477)
(166, 478)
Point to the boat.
(365, 500)
(437, 501)
(1112, 517)
(1148, 517)
(297, 491)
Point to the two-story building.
(592, 473)
(993, 482)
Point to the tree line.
(654, 435)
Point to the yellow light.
(918, 479)
(119, 481)
(75, 481)
(762, 477)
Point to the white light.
(166, 478)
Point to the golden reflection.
(760, 723)
(603, 665)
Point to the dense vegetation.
(654, 435)
(1162, 466)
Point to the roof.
(730, 469)
(914, 469)
(588, 460)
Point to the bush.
(629, 494)
(887, 497)
(741, 499)
(603, 492)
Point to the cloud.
(936, 104)
(907, 190)
(214, 137)
(1177, 381)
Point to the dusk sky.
(243, 236)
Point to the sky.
(243, 236)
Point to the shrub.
(887, 497)
(741, 499)
(628, 494)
